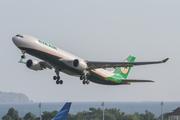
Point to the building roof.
(175, 112)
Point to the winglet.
(163, 61)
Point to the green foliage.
(37, 118)
(29, 116)
(92, 114)
(49, 115)
(20, 119)
(6, 117)
(110, 114)
(131, 117)
(165, 116)
(96, 114)
(11, 115)
(147, 116)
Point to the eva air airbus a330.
(61, 61)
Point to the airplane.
(62, 61)
(63, 113)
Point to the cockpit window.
(19, 36)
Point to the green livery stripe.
(116, 77)
(22, 48)
(106, 77)
(96, 78)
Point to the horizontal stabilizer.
(133, 80)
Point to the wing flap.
(45, 65)
(135, 80)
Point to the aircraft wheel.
(81, 77)
(54, 78)
(23, 56)
(57, 81)
(87, 82)
(58, 77)
(61, 82)
(84, 82)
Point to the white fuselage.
(26, 41)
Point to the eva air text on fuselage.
(47, 44)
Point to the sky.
(98, 30)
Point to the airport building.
(175, 115)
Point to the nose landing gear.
(23, 56)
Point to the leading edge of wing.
(135, 80)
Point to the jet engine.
(33, 65)
(79, 64)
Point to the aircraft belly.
(54, 61)
(70, 73)
(98, 78)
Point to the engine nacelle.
(33, 65)
(79, 64)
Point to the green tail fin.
(125, 71)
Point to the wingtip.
(165, 60)
(150, 81)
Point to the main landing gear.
(57, 78)
(84, 78)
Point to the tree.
(149, 115)
(6, 117)
(13, 114)
(165, 116)
(109, 116)
(29, 116)
(20, 119)
(96, 114)
(70, 117)
(37, 118)
(49, 115)
(131, 117)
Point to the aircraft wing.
(45, 65)
(99, 64)
(133, 80)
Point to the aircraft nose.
(14, 39)
(17, 40)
